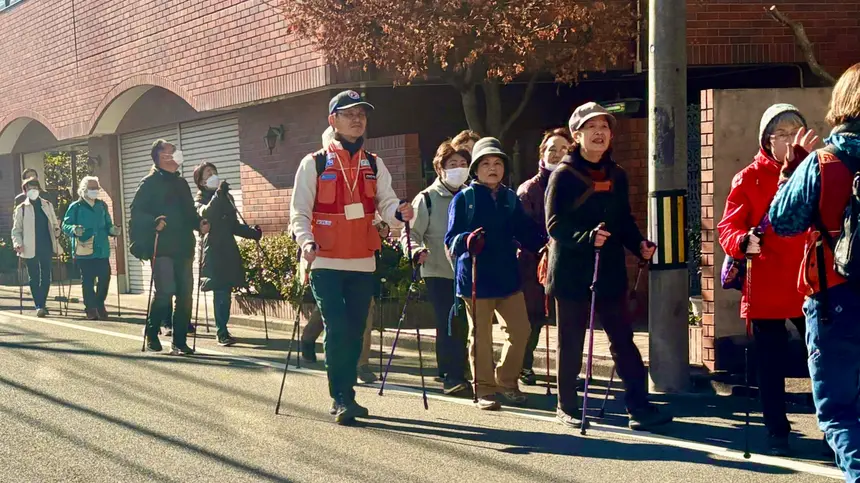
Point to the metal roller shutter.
(136, 161)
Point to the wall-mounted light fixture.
(272, 137)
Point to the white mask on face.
(92, 194)
(178, 157)
(212, 182)
(455, 177)
(550, 167)
(33, 194)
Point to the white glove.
(753, 245)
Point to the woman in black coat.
(221, 263)
(587, 208)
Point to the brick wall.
(213, 53)
(10, 186)
(708, 225)
(741, 32)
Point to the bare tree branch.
(527, 96)
(802, 42)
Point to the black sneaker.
(778, 446)
(152, 342)
(528, 377)
(102, 312)
(347, 413)
(334, 407)
(226, 340)
(366, 376)
(92, 314)
(309, 352)
(181, 351)
(451, 386)
(647, 418)
(568, 420)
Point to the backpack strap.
(469, 194)
(512, 201)
(321, 156)
(592, 186)
(427, 201)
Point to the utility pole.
(668, 288)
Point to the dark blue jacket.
(506, 229)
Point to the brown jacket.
(531, 194)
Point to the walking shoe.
(441, 377)
(365, 375)
(778, 446)
(488, 403)
(528, 377)
(452, 386)
(647, 417)
(152, 343)
(226, 340)
(166, 331)
(102, 313)
(334, 407)
(92, 314)
(42, 313)
(347, 413)
(515, 396)
(309, 351)
(181, 351)
(568, 420)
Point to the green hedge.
(278, 278)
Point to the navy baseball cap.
(347, 99)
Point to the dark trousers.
(95, 281)
(344, 300)
(39, 271)
(771, 345)
(173, 278)
(572, 319)
(450, 349)
(222, 300)
(537, 322)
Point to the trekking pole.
(379, 317)
(412, 290)
(265, 261)
(20, 286)
(118, 304)
(305, 284)
(197, 307)
(474, 329)
(60, 285)
(548, 392)
(642, 264)
(747, 359)
(149, 297)
(590, 339)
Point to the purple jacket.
(531, 194)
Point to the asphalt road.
(80, 402)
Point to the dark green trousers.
(344, 299)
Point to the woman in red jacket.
(745, 231)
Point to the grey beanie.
(769, 115)
(486, 147)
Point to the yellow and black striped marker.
(668, 228)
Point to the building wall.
(79, 55)
(730, 125)
(733, 32)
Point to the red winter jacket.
(774, 272)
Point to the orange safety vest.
(835, 193)
(345, 181)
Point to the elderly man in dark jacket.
(163, 206)
(221, 263)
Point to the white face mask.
(455, 177)
(550, 167)
(33, 194)
(212, 182)
(92, 194)
(178, 157)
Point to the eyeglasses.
(353, 115)
(784, 137)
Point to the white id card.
(354, 211)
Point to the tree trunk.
(469, 97)
(493, 98)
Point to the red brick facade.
(721, 32)
(708, 223)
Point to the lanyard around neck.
(346, 176)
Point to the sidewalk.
(133, 306)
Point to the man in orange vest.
(822, 198)
(336, 194)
